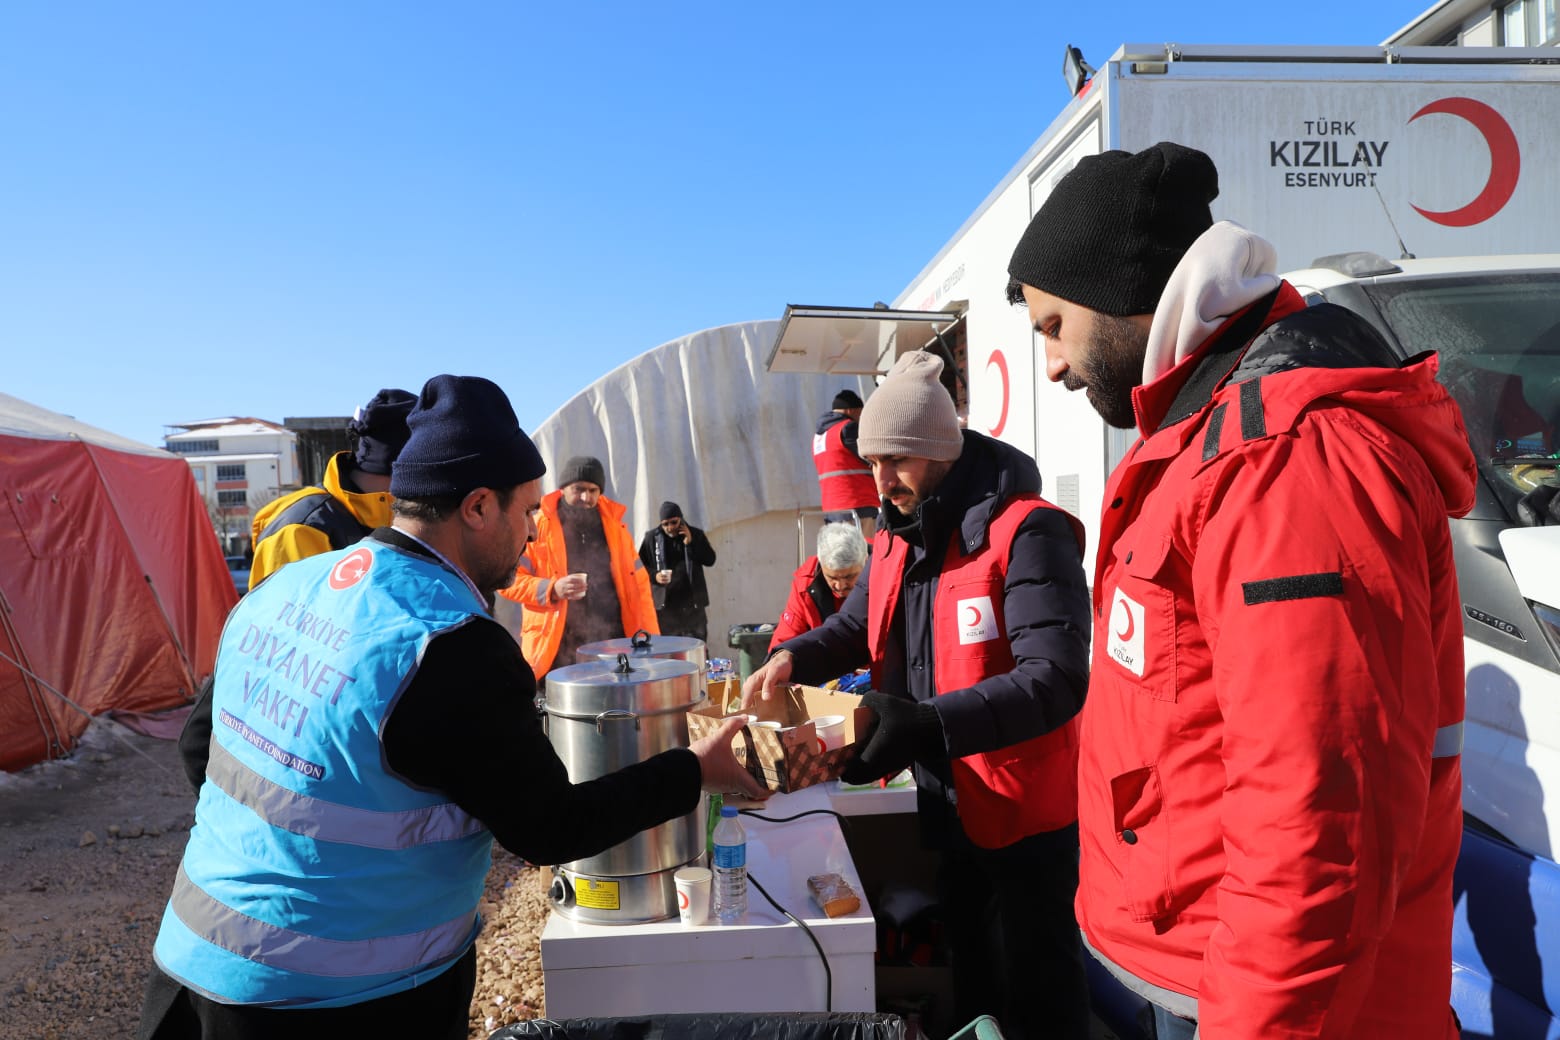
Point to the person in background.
(1269, 780)
(675, 554)
(821, 583)
(330, 885)
(844, 480)
(580, 581)
(351, 500)
(973, 614)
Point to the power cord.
(828, 974)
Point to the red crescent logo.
(682, 899)
(1126, 636)
(1505, 160)
(1002, 373)
(976, 611)
(349, 570)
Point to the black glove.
(905, 731)
(1539, 507)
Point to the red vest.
(1012, 792)
(844, 481)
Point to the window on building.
(193, 447)
(1528, 23)
(231, 472)
(232, 498)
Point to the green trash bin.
(751, 642)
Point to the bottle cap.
(728, 811)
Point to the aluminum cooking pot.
(604, 715)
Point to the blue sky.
(275, 209)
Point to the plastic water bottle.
(730, 866)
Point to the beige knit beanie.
(911, 413)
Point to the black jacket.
(1047, 620)
(686, 591)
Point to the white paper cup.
(764, 724)
(693, 895)
(830, 730)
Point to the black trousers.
(437, 1010)
(684, 621)
(1016, 950)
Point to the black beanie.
(670, 509)
(380, 429)
(464, 435)
(1112, 230)
(846, 399)
(583, 467)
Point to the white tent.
(699, 421)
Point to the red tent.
(113, 588)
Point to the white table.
(764, 963)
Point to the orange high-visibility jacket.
(545, 560)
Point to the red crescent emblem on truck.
(1002, 374)
(1505, 161)
(349, 570)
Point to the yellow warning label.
(596, 895)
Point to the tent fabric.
(113, 588)
(701, 422)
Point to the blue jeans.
(1169, 1027)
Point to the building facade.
(1481, 23)
(239, 465)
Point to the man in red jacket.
(973, 613)
(844, 481)
(1269, 782)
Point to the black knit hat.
(670, 509)
(464, 435)
(583, 467)
(846, 399)
(1112, 230)
(380, 429)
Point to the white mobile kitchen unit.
(1453, 150)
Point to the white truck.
(1343, 158)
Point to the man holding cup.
(973, 613)
(676, 554)
(580, 581)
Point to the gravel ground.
(88, 848)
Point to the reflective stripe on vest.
(287, 950)
(328, 821)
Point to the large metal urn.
(602, 716)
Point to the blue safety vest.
(314, 877)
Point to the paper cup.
(693, 895)
(762, 724)
(831, 732)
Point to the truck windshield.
(1499, 340)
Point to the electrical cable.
(828, 974)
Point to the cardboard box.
(787, 759)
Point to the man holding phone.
(675, 554)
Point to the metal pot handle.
(612, 715)
(640, 640)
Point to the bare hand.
(570, 586)
(719, 769)
(663, 577)
(766, 682)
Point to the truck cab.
(1495, 323)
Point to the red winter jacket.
(801, 608)
(1269, 787)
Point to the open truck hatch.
(854, 341)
